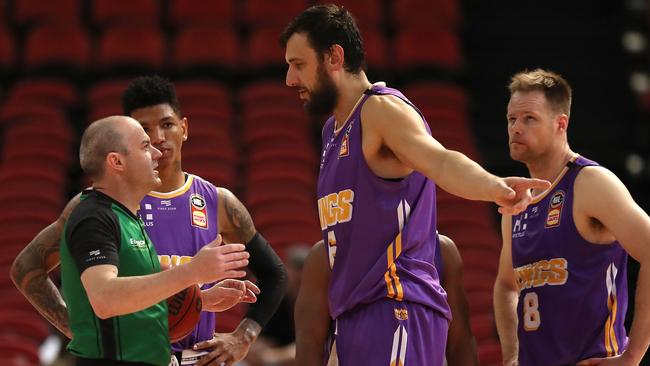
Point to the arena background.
(64, 63)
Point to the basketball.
(184, 312)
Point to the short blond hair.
(555, 88)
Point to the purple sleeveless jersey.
(179, 223)
(381, 234)
(573, 294)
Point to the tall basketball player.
(376, 197)
(561, 290)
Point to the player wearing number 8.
(561, 292)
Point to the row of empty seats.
(253, 13)
(205, 46)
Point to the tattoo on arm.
(240, 220)
(30, 272)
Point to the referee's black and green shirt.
(102, 231)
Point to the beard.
(325, 95)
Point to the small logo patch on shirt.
(199, 211)
(555, 210)
(401, 314)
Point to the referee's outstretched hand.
(217, 261)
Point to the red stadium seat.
(7, 49)
(13, 300)
(279, 115)
(365, 12)
(374, 44)
(263, 49)
(107, 92)
(28, 203)
(18, 353)
(426, 13)
(131, 46)
(286, 147)
(272, 130)
(21, 112)
(137, 12)
(27, 324)
(435, 94)
(442, 49)
(202, 12)
(54, 129)
(58, 45)
(275, 13)
(483, 326)
(269, 93)
(206, 47)
(54, 91)
(489, 352)
(204, 98)
(52, 11)
(480, 302)
(103, 111)
(256, 156)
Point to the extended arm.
(397, 126)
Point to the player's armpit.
(615, 209)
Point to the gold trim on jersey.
(395, 290)
(611, 343)
(555, 182)
(175, 193)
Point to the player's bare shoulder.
(387, 111)
(596, 192)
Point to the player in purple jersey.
(313, 321)
(561, 291)
(206, 211)
(376, 196)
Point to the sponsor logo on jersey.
(198, 211)
(95, 255)
(519, 226)
(555, 210)
(401, 314)
(345, 143)
(166, 203)
(138, 244)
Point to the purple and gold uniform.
(381, 236)
(179, 224)
(572, 293)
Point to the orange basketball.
(184, 312)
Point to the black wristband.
(271, 279)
